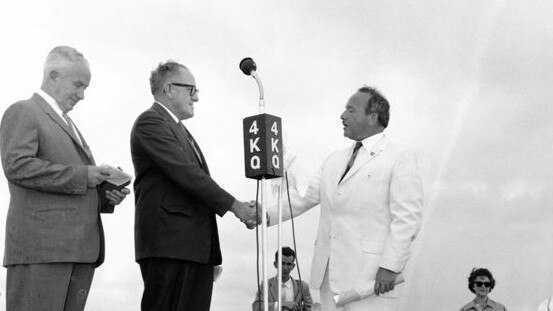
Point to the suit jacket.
(299, 295)
(53, 216)
(368, 220)
(176, 200)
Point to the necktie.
(351, 159)
(72, 127)
(191, 141)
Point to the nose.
(342, 116)
(80, 94)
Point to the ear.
(275, 264)
(167, 90)
(53, 75)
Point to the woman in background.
(481, 283)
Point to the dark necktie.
(72, 127)
(352, 159)
(191, 142)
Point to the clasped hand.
(246, 212)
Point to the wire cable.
(294, 235)
(257, 239)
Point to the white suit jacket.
(367, 221)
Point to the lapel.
(273, 289)
(365, 156)
(181, 136)
(296, 290)
(49, 111)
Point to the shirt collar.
(52, 102)
(370, 141)
(288, 283)
(169, 112)
(489, 303)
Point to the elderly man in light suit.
(371, 199)
(54, 236)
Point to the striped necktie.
(352, 159)
(72, 127)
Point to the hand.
(290, 305)
(385, 281)
(115, 196)
(96, 175)
(245, 212)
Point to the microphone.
(247, 65)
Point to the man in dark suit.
(176, 238)
(295, 294)
(54, 236)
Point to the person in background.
(295, 294)
(481, 283)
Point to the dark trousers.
(48, 287)
(176, 285)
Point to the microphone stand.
(263, 193)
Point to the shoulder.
(468, 306)
(149, 118)
(497, 305)
(21, 109)
(303, 283)
(400, 150)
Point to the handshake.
(246, 212)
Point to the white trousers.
(372, 303)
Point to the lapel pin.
(372, 153)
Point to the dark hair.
(476, 272)
(161, 74)
(286, 251)
(377, 103)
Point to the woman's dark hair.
(480, 272)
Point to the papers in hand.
(352, 295)
(117, 178)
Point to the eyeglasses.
(480, 284)
(193, 89)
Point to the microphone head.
(247, 65)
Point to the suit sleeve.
(257, 305)
(307, 299)
(157, 141)
(301, 201)
(406, 199)
(19, 146)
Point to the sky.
(469, 83)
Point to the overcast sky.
(469, 83)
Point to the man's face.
(182, 103)
(357, 124)
(287, 266)
(68, 84)
(482, 286)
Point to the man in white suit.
(371, 199)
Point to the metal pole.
(263, 194)
(279, 275)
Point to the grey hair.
(62, 57)
(162, 73)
